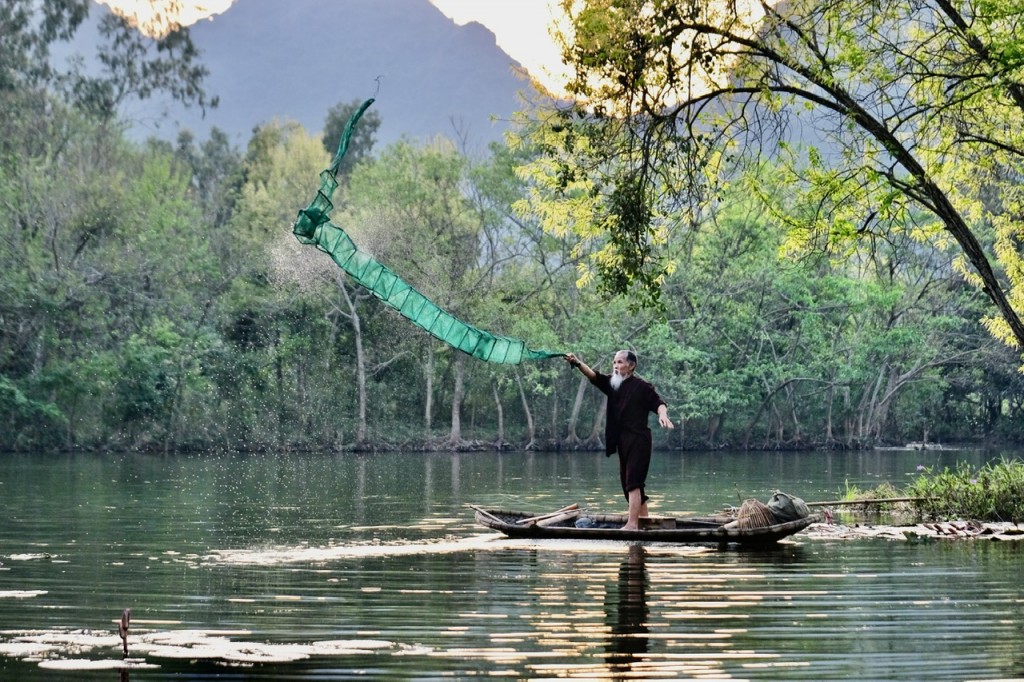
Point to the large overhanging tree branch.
(876, 109)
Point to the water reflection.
(627, 614)
(337, 567)
(786, 553)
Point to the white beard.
(616, 380)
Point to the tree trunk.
(531, 430)
(793, 415)
(881, 412)
(428, 402)
(455, 435)
(581, 390)
(714, 425)
(868, 404)
(357, 335)
(848, 434)
(829, 438)
(748, 432)
(279, 398)
(361, 379)
(597, 429)
(554, 417)
(500, 411)
(171, 436)
(302, 387)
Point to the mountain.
(297, 59)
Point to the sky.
(521, 27)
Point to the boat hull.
(698, 530)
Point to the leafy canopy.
(894, 117)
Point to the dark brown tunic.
(626, 431)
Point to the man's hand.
(580, 365)
(663, 418)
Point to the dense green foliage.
(892, 120)
(152, 296)
(993, 492)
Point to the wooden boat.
(572, 523)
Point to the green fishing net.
(313, 226)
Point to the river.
(335, 567)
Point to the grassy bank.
(995, 492)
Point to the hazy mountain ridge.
(270, 59)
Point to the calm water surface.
(316, 567)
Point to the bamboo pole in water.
(877, 500)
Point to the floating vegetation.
(75, 649)
(21, 594)
(102, 664)
(332, 552)
(918, 533)
(43, 556)
(269, 556)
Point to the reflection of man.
(628, 621)
(630, 399)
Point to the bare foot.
(629, 527)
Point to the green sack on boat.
(788, 508)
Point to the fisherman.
(630, 399)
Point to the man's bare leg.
(637, 508)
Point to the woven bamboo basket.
(753, 514)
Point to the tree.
(526, 274)
(918, 108)
(361, 143)
(762, 351)
(217, 176)
(270, 268)
(409, 210)
(131, 64)
(27, 29)
(87, 269)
